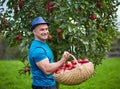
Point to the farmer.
(41, 57)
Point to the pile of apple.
(69, 65)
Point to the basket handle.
(75, 60)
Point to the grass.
(107, 76)
(10, 78)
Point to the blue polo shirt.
(39, 51)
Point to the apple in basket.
(85, 60)
(73, 62)
(68, 65)
(74, 66)
(79, 60)
(59, 71)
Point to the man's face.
(41, 32)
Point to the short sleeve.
(39, 54)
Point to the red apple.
(85, 60)
(15, 9)
(49, 37)
(74, 66)
(99, 4)
(63, 68)
(68, 64)
(59, 71)
(18, 37)
(20, 4)
(50, 4)
(46, 10)
(79, 60)
(69, 68)
(93, 17)
(27, 70)
(73, 62)
(49, 9)
(59, 31)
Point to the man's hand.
(66, 55)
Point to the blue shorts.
(43, 87)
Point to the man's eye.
(41, 29)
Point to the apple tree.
(85, 28)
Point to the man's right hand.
(66, 55)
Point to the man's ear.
(34, 31)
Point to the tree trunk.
(2, 49)
(57, 85)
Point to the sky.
(118, 17)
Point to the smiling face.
(41, 32)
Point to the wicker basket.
(76, 75)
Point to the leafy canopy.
(85, 28)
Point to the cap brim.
(32, 28)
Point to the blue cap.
(37, 21)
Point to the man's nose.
(46, 31)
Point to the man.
(41, 57)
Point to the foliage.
(86, 28)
